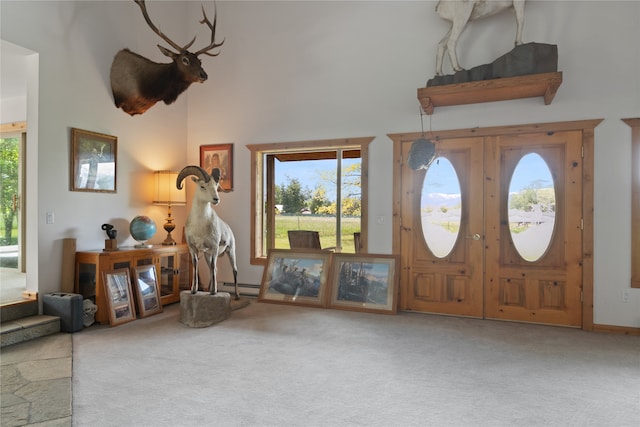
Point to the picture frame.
(364, 283)
(117, 284)
(295, 277)
(93, 161)
(219, 156)
(147, 290)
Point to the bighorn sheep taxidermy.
(205, 232)
(460, 13)
(138, 83)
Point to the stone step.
(28, 328)
(18, 310)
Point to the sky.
(532, 170)
(309, 172)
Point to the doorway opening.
(19, 106)
(12, 219)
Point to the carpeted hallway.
(278, 365)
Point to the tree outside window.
(303, 186)
(9, 151)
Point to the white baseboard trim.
(243, 288)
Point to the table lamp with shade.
(167, 194)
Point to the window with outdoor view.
(9, 166)
(315, 186)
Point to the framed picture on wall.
(295, 277)
(219, 156)
(364, 283)
(119, 296)
(147, 291)
(93, 161)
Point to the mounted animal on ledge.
(460, 13)
(138, 83)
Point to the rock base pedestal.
(202, 309)
(528, 58)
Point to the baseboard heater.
(244, 289)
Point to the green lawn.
(325, 225)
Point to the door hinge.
(581, 223)
(581, 296)
(582, 151)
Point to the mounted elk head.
(138, 83)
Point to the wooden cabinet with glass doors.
(172, 270)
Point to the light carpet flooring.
(283, 365)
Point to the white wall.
(13, 109)
(308, 70)
(13, 84)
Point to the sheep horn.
(191, 170)
(215, 174)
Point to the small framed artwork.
(119, 297)
(219, 156)
(364, 283)
(93, 161)
(147, 291)
(295, 277)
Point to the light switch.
(50, 218)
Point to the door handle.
(474, 237)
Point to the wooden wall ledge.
(528, 86)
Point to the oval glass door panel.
(440, 207)
(532, 207)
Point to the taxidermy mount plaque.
(138, 83)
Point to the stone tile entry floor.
(35, 382)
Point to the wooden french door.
(484, 274)
(450, 284)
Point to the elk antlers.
(205, 20)
(138, 83)
(212, 27)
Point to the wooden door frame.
(585, 126)
(20, 129)
(635, 200)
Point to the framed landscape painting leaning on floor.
(364, 283)
(295, 277)
(147, 292)
(119, 297)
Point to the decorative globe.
(142, 228)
